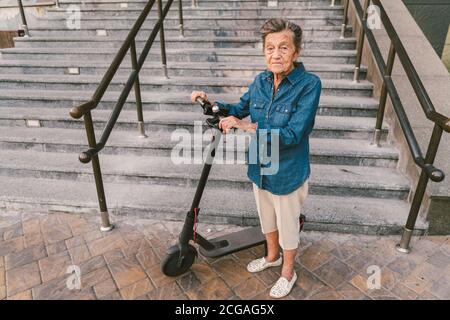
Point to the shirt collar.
(293, 76)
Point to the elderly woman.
(282, 103)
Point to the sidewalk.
(37, 249)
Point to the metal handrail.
(24, 19)
(84, 109)
(441, 122)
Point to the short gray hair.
(277, 25)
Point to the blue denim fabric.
(289, 114)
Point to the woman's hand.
(196, 94)
(228, 123)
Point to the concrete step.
(187, 4)
(177, 69)
(175, 42)
(325, 126)
(188, 21)
(175, 55)
(250, 31)
(338, 87)
(204, 11)
(323, 213)
(65, 99)
(332, 180)
(323, 151)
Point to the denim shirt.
(289, 114)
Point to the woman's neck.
(278, 77)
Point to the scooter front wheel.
(170, 266)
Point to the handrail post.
(360, 43)
(344, 22)
(332, 3)
(433, 146)
(194, 3)
(24, 19)
(180, 14)
(106, 225)
(383, 96)
(137, 91)
(162, 40)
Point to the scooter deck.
(233, 242)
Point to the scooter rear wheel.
(169, 266)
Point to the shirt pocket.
(282, 114)
(257, 110)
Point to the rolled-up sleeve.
(301, 121)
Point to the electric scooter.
(180, 257)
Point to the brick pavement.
(37, 249)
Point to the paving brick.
(231, 272)
(389, 278)
(426, 296)
(31, 226)
(114, 296)
(22, 278)
(334, 273)
(158, 278)
(92, 264)
(79, 254)
(308, 281)
(325, 293)
(105, 288)
(55, 248)
(92, 235)
(363, 260)
(404, 292)
(108, 243)
(440, 288)
(350, 292)
(55, 233)
(188, 281)
(2, 276)
(11, 246)
(249, 288)
(33, 239)
(269, 276)
(403, 265)
(95, 277)
(203, 272)
(75, 242)
(345, 251)
(57, 289)
(170, 291)
(126, 272)
(24, 295)
(25, 256)
(13, 232)
(137, 289)
(382, 294)
(54, 266)
(215, 289)
(439, 259)
(313, 257)
(2, 292)
(113, 255)
(360, 281)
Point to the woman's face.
(280, 52)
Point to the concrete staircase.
(354, 187)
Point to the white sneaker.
(283, 287)
(261, 264)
